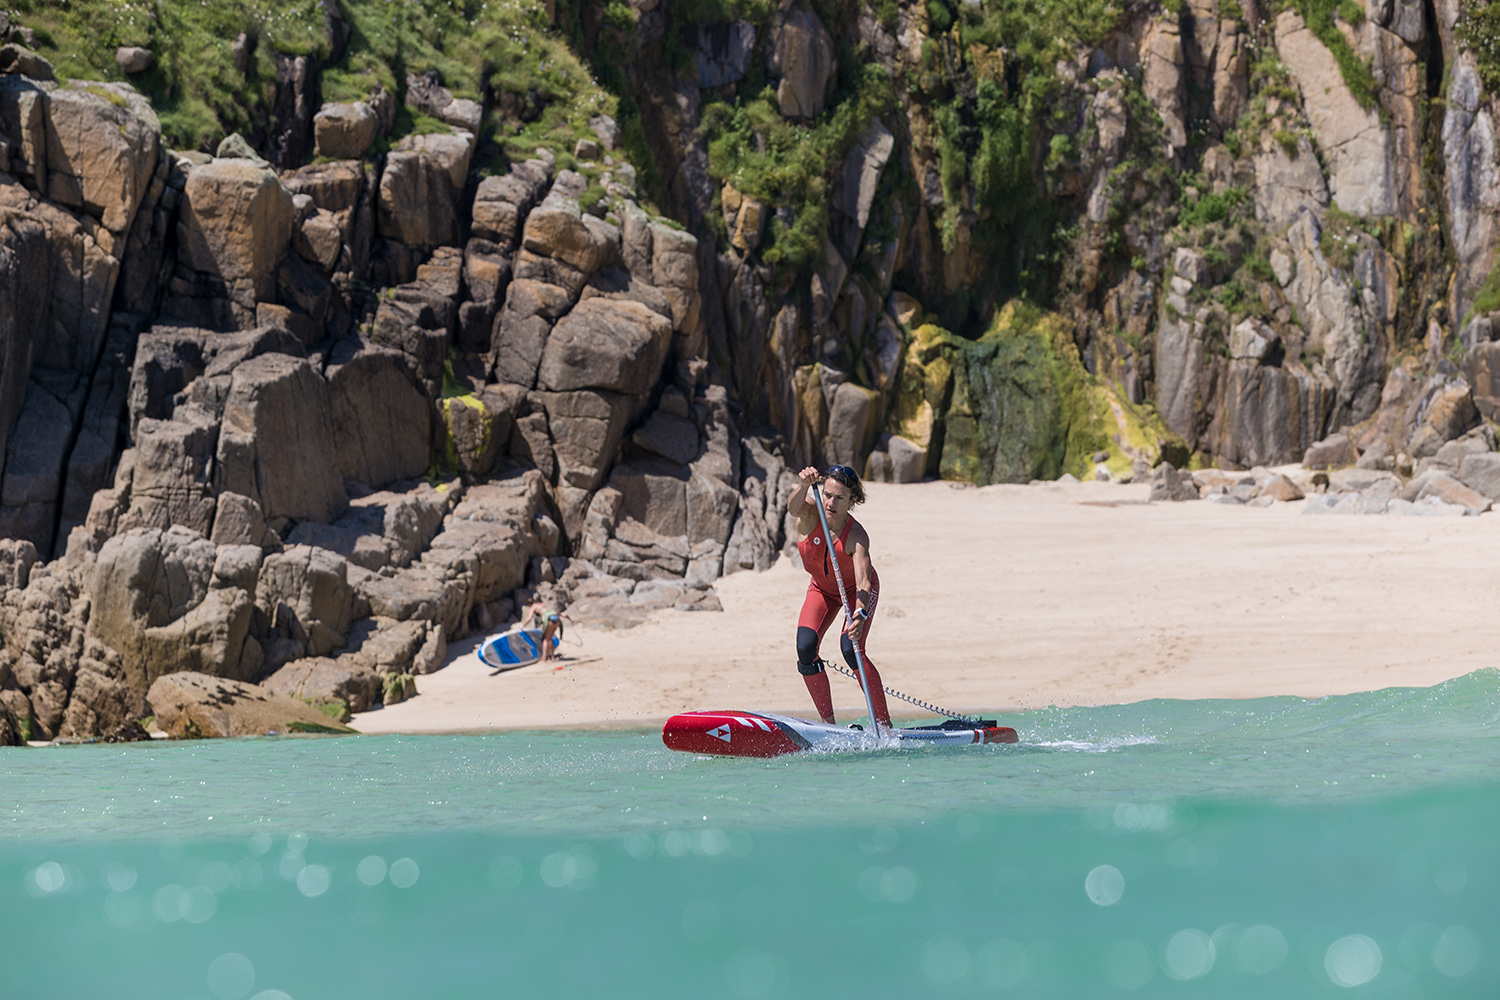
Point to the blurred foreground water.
(1279, 847)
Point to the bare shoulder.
(859, 536)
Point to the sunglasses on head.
(843, 472)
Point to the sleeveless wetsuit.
(822, 606)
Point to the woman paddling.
(841, 490)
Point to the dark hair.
(847, 477)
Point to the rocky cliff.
(327, 328)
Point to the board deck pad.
(516, 648)
(762, 734)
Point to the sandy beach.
(1018, 597)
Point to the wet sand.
(1016, 597)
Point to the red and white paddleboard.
(760, 734)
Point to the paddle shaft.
(838, 575)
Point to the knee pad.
(807, 646)
(847, 646)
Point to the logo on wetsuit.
(817, 539)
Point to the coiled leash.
(977, 723)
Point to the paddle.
(838, 575)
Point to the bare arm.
(864, 573)
(798, 504)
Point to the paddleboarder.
(841, 490)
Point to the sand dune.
(1008, 597)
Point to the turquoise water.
(1278, 847)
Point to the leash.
(935, 710)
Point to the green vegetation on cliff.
(788, 165)
(1322, 18)
(1478, 30)
(201, 95)
(1012, 141)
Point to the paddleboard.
(761, 734)
(515, 648)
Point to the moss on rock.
(1016, 404)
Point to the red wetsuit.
(823, 605)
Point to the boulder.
(237, 566)
(908, 460)
(418, 593)
(479, 426)
(1168, 484)
(237, 222)
(851, 424)
(304, 593)
(17, 556)
(18, 59)
(192, 705)
(1163, 78)
(638, 553)
(154, 600)
(673, 438)
(801, 54)
(1447, 413)
(1332, 452)
(425, 93)
(722, 55)
(416, 200)
(860, 179)
(238, 521)
(1252, 339)
(102, 143)
(521, 329)
(674, 267)
(129, 731)
(320, 240)
(1280, 488)
(452, 152)
(322, 681)
(418, 321)
(615, 345)
(619, 284)
(1451, 491)
(386, 645)
(36, 455)
(501, 203)
(344, 131)
(1231, 74)
(381, 418)
(586, 429)
(100, 702)
(276, 445)
(133, 59)
(1479, 472)
(557, 228)
(236, 147)
(10, 728)
(1372, 484)
(171, 479)
(334, 187)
